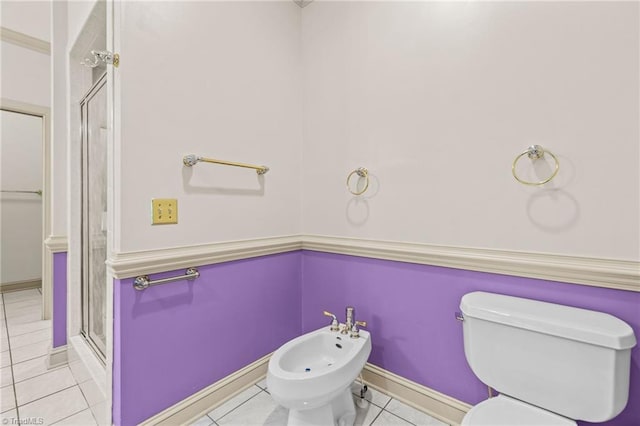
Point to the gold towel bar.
(192, 159)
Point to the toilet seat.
(505, 411)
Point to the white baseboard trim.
(20, 285)
(197, 405)
(57, 357)
(436, 404)
(608, 273)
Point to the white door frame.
(47, 255)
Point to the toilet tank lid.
(583, 325)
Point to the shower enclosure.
(93, 109)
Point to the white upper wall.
(438, 98)
(216, 79)
(78, 12)
(24, 75)
(59, 118)
(28, 17)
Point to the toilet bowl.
(311, 375)
(552, 364)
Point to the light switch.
(164, 211)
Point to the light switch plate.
(164, 211)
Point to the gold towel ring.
(535, 152)
(363, 173)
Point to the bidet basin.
(309, 371)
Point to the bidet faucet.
(351, 313)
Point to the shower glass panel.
(94, 215)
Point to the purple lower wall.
(175, 339)
(59, 317)
(410, 313)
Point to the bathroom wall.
(27, 17)
(216, 79)
(176, 339)
(221, 80)
(59, 118)
(410, 310)
(77, 14)
(436, 99)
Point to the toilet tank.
(570, 361)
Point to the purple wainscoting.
(175, 339)
(410, 313)
(59, 316)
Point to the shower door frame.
(85, 284)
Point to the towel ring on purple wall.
(535, 152)
(363, 173)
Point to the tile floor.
(30, 393)
(255, 406)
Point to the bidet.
(311, 375)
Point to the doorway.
(24, 200)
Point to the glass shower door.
(94, 215)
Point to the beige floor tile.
(259, 410)
(83, 418)
(387, 419)
(5, 359)
(43, 385)
(410, 414)
(234, 402)
(372, 395)
(7, 399)
(27, 352)
(6, 376)
(29, 327)
(24, 318)
(28, 369)
(9, 417)
(19, 306)
(202, 421)
(16, 296)
(17, 310)
(30, 338)
(55, 407)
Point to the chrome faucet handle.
(334, 321)
(350, 318)
(355, 331)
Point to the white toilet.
(552, 364)
(311, 375)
